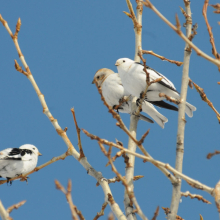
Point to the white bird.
(17, 161)
(113, 92)
(134, 81)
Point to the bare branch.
(210, 155)
(147, 157)
(16, 206)
(178, 63)
(148, 4)
(176, 193)
(101, 213)
(214, 50)
(195, 196)
(67, 193)
(129, 190)
(205, 99)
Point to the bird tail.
(144, 118)
(190, 109)
(153, 113)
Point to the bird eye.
(123, 61)
(97, 77)
(33, 148)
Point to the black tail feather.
(163, 104)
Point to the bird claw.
(115, 107)
(25, 178)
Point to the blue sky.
(64, 44)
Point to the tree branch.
(199, 52)
(176, 194)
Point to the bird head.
(32, 148)
(101, 75)
(124, 64)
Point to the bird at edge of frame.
(17, 161)
(113, 91)
(133, 78)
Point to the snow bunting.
(113, 92)
(17, 161)
(134, 81)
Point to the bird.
(17, 161)
(134, 81)
(113, 92)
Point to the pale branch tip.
(178, 25)
(18, 27)
(16, 206)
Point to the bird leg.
(138, 103)
(9, 181)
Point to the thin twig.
(195, 196)
(168, 98)
(205, 99)
(67, 193)
(160, 165)
(101, 213)
(15, 206)
(214, 50)
(210, 155)
(199, 52)
(178, 63)
(156, 213)
(129, 191)
(103, 141)
(78, 135)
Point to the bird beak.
(93, 81)
(117, 64)
(39, 154)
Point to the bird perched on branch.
(133, 78)
(17, 161)
(114, 92)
